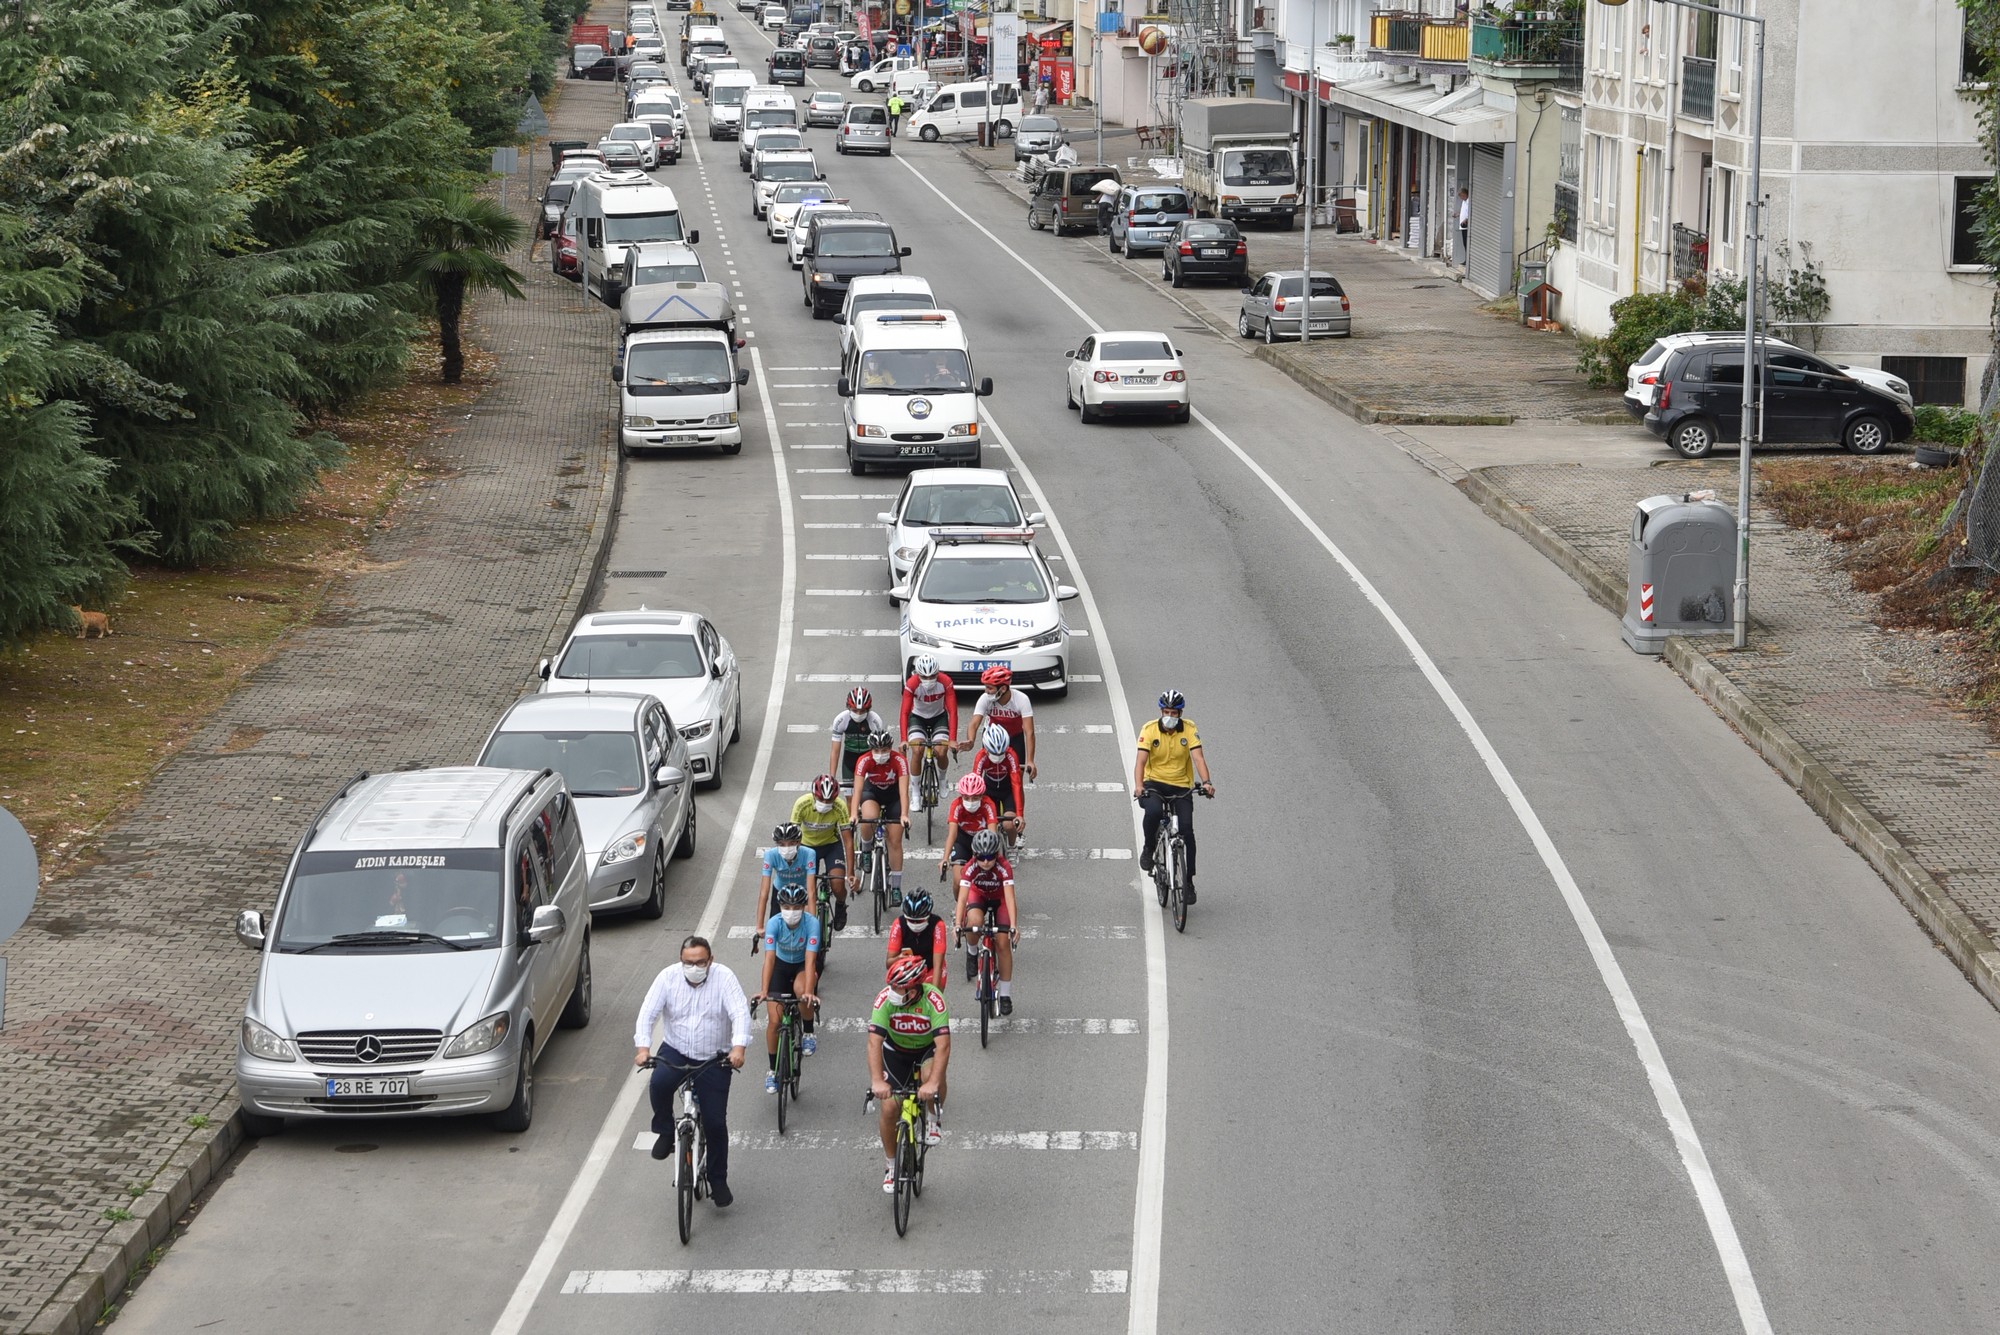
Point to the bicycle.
(985, 973)
(874, 860)
(791, 1057)
(930, 780)
(822, 908)
(912, 1144)
(690, 1147)
(1170, 852)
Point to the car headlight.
(822, 277)
(1288, 199)
(908, 553)
(918, 637)
(871, 432)
(694, 732)
(261, 1042)
(625, 847)
(636, 422)
(1900, 387)
(1046, 638)
(964, 429)
(720, 419)
(481, 1036)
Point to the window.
(1972, 63)
(1656, 196)
(1616, 20)
(1931, 379)
(1723, 224)
(1737, 37)
(1604, 156)
(1965, 248)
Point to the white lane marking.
(964, 1282)
(847, 593)
(881, 634)
(1085, 676)
(818, 470)
(798, 384)
(604, 1147)
(804, 727)
(1096, 932)
(805, 368)
(795, 403)
(843, 470)
(1666, 1092)
(840, 556)
(849, 1141)
(1080, 787)
(912, 853)
(849, 496)
(845, 677)
(1067, 1026)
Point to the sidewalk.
(126, 984)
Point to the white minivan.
(726, 91)
(908, 392)
(961, 108)
(614, 210)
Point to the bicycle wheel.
(906, 1177)
(923, 1149)
(1162, 874)
(784, 1069)
(684, 1182)
(798, 1066)
(878, 887)
(1180, 887)
(985, 992)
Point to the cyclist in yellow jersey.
(1163, 777)
(827, 832)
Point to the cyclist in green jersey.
(909, 1040)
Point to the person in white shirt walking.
(705, 1014)
(1464, 227)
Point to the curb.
(1605, 591)
(597, 548)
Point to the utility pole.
(1096, 82)
(1312, 137)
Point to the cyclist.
(828, 834)
(1000, 768)
(1007, 707)
(909, 1040)
(785, 864)
(882, 793)
(931, 700)
(987, 886)
(1163, 775)
(919, 931)
(974, 811)
(791, 967)
(851, 727)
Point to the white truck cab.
(678, 389)
(908, 392)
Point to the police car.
(982, 599)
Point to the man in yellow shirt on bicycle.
(1163, 775)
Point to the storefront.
(1050, 54)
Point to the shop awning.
(1461, 116)
(1042, 32)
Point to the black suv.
(841, 246)
(1699, 404)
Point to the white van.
(677, 389)
(613, 210)
(726, 91)
(908, 391)
(961, 108)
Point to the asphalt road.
(1520, 997)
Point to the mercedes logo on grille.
(920, 408)
(368, 1048)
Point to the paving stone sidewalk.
(126, 986)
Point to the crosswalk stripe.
(955, 1141)
(962, 1282)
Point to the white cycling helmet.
(926, 666)
(993, 740)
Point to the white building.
(1871, 149)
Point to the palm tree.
(459, 238)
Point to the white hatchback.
(679, 658)
(986, 599)
(785, 203)
(965, 499)
(1127, 371)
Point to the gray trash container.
(1682, 571)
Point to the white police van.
(908, 393)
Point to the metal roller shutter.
(1489, 267)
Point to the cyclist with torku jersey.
(919, 931)
(972, 812)
(828, 834)
(930, 713)
(986, 886)
(791, 968)
(785, 863)
(1163, 775)
(1000, 769)
(909, 1041)
(1007, 707)
(851, 727)
(882, 793)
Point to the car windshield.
(668, 273)
(1257, 166)
(594, 764)
(631, 657)
(827, 99)
(631, 228)
(403, 901)
(676, 368)
(856, 242)
(788, 171)
(1159, 201)
(867, 116)
(1040, 125)
(889, 301)
(662, 129)
(985, 504)
(1210, 231)
(558, 192)
(784, 137)
(641, 133)
(984, 579)
(768, 116)
(796, 191)
(1322, 286)
(915, 371)
(1135, 350)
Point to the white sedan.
(785, 203)
(938, 498)
(977, 600)
(679, 658)
(1127, 371)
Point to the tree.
(459, 238)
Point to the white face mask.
(696, 974)
(791, 916)
(822, 807)
(902, 998)
(1169, 722)
(969, 803)
(881, 757)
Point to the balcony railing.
(1527, 48)
(1415, 36)
(1690, 254)
(1698, 87)
(1566, 210)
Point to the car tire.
(1003, 129)
(685, 845)
(1087, 414)
(1243, 325)
(1270, 336)
(1692, 438)
(1033, 226)
(714, 779)
(733, 447)
(736, 724)
(1866, 434)
(840, 150)
(1176, 277)
(520, 1114)
(1069, 395)
(258, 1125)
(576, 1011)
(929, 134)
(1111, 242)
(866, 86)
(655, 903)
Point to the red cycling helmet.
(997, 676)
(972, 786)
(859, 701)
(905, 971)
(825, 788)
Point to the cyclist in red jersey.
(882, 793)
(1010, 710)
(920, 931)
(986, 886)
(972, 812)
(929, 716)
(1000, 768)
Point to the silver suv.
(864, 128)
(431, 934)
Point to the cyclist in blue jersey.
(786, 863)
(791, 967)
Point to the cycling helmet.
(993, 740)
(926, 666)
(880, 741)
(995, 677)
(1172, 700)
(792, 897)
(905, 971)
(986, 844)
(972, 786)
(786, 833)
(917, 904)
(825, 788)
(859, 701)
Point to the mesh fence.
(1977, 511)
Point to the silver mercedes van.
(432, 932)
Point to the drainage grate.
(638, 574)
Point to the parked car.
(1698, 402)
(864, 128)
(629, 154)
(661, 262)
(1275, 307)
(1127, 371)
(678, 658)
(1205, 248)
(1066, 198)
(1038, 134)
(1642, 375)
(554, 196)
(1145, 216)
(825, 107)
(642, 136)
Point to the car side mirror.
(844, 388)
(667, 776)
(1178, 352)
(901, 593)
(542, 669)
(742, 375)
(985, 385)
(548, 923)
(1064, 593)
(715, 669)
(694, 236)
(840, 317)
(1071, 354)
(884, 517)
(1037, 517)
(617, 375)
(904, 252)
(250, 928)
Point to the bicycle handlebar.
(696, 1069)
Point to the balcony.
(1542, 50)
(1698, 87)
(1690, 254)
(1406, 37)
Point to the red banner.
(864, 24)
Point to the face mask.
(902, 998)
(969, 803)
(822, 807)
(696, 974)
(881, 757)
(1169, 722)
(791, 916)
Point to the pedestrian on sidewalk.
(1464, 227)
(1042, 98)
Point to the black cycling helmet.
(917, 904)
(1171, 699)
(880, 741)
(791, 897)
(786, 833)
(986, 844)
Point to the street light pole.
(1312, 135)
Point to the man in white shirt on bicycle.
(706, 1016)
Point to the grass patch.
(83, 723)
